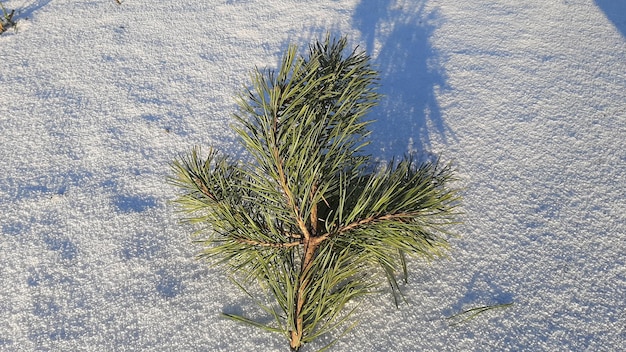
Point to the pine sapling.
(312, 219)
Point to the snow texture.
(527, 98)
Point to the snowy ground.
(527, 97)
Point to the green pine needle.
(313, 223)
(472, 313)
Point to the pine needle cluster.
(312, 219)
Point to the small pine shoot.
(312, 219)
(6, 19)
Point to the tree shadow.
(398, 39)
(615, 11)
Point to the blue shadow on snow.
(481, 291)
(168, 285)
(129, 204)
(28, 11)
(615, 11)
(66, 248)
(398, 38)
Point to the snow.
(527, 98)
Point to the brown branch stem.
(310, 248)
(203, 188)
(313, 217)
(366, 221)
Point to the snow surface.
(528, 98)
